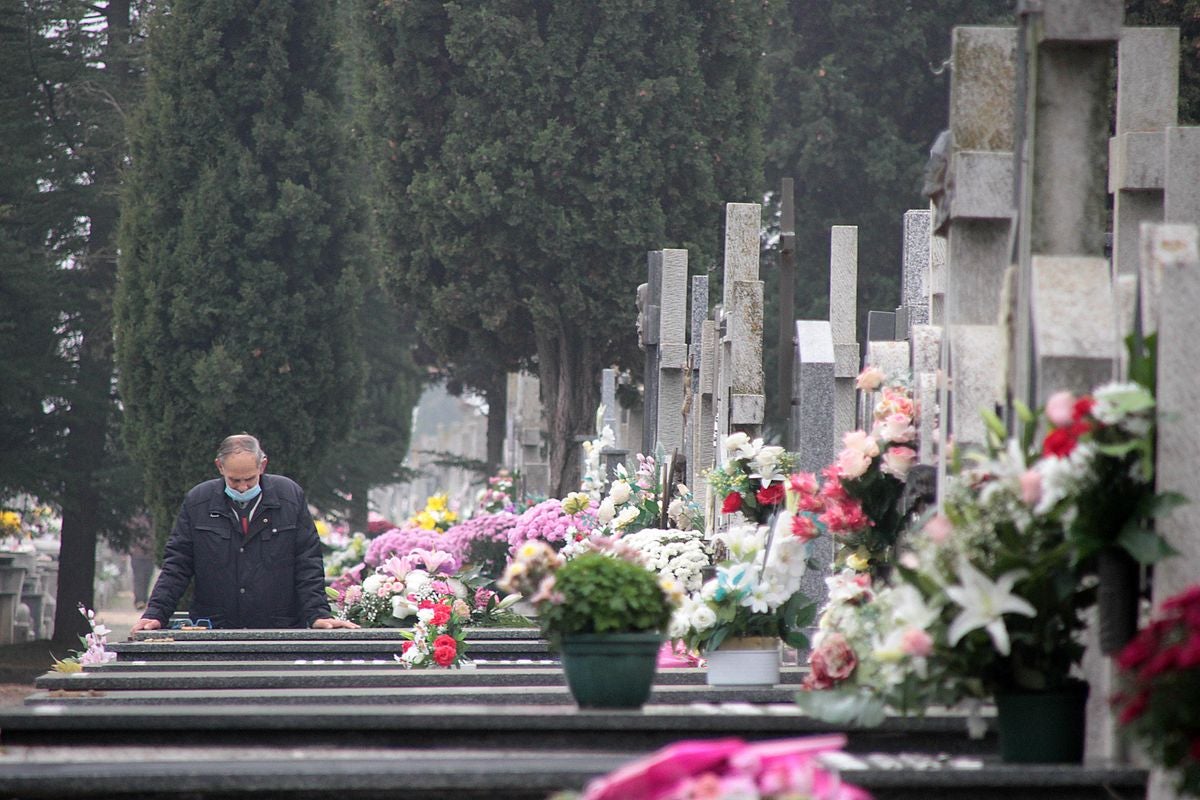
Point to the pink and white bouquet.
(500, 494)
(94, 642)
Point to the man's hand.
(333, 623)
(145, 624)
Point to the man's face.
(241, 471)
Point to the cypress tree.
(533, 151)
(241, 255)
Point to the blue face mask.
(243, 497)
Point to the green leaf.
(843, 707)
(1146, 546)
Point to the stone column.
(914, 271)
(814, 430)
(649, 298)
(672, 350)
(843, 316)
(695, 423)
(1182, 196)
(743, 298)
(1062, 186)
(702, 409)
(1175, 252)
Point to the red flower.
(405, 647)
(1060, 442)
(1134, 708)
(1138, 651)
(733, 502)
(1083, 407)
(441, 614)
(770, 495)
(445, 640)
(444, 656)
(425, 604)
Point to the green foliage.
(605, 594)
(530, 152)
(240, 242)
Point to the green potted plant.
(604, 611)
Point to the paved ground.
(119, 616)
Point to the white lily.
(984, 604)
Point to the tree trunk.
(568, 371)
(497, 422)
(92, 402)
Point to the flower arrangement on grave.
(482, 541)
(500, 494)
(863, 487)
(1158, 690)
(437, 514)
(402, 541)
(94, 642)
(681, 555)
(997, 568)
(608, 589)
(436, 638)
(391, 595)
(755, 592)
(751, 479)
(555, 522)
(728, 769)
(593, 479)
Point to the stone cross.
(743, 303)
(979, 212)
(617, 453)
(814, 433)
(698, 424)
(702, 409)
(1062, 186)
(672, 350)
(649, 298)
(914, 271)
(524, 443)
(843, 315)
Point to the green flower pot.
(610, 670)
(1044, 727)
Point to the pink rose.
(897, 460)
(894, 401)
(852, 463)
(833, 661)
(939, 529)
(916, 642)
(1059, 408)
(862, 442)
(869, 379)
(1031, 487)
(895, 427)
(803, 483)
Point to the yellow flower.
(858, 562)
(425, 520)
(10, 521)
(436, 503)
(322, 528)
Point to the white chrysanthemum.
(372, 583)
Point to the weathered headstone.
(937, 277)
(702, 444)
(926, 366)
(743, 304)
(695, 422)
(648, 331)
(881, 326)
(1147, 103)
(1074, 334)
(843, 315)
(672, 350)
(914, 272)
(1182, 196)
(525, 446)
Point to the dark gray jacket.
(272, 577)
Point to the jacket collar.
(219, 501)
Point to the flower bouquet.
(864, 485)
(1158, 697)
(751, 480)
(499, 494)
(95, 643)
(436, 516)
(755, 592)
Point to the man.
(249, 543)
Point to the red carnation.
(803, 528)
(441, 614)
(1059, 442)
(405, 647)
(1083, 407)
(733, 502)
(770, 495)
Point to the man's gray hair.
(240, 443)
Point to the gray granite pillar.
(843, 316)
(672, 350)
